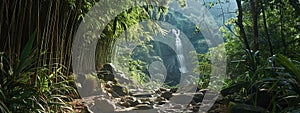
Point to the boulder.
(106, 75)
(118, 91)
(88, 85)
(198, 97)
(110, 73)
(166, 95)
(183, 99)
(102, 105)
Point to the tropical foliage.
(262, 44)
(263, 75)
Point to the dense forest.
(106, 56)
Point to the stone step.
(141, 95)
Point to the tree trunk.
(104, 51)
(240, 24)
(267, 31)
(281, 30)
(255, 24)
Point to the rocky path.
(111, 96)
(146, 102)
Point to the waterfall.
(180, 56)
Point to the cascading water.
(180, 56)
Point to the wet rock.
(181, 99)
(88, 85)
(118, 91)
(125, 104)
(109, 67)
(145, 101)
(166, 95)
(129, 101)
(173, 108)
(160, 90)
(102, 105)
(173, 90)
(194, 106)
(164, 89)
(98, 104)
(203, 90)
(109, 84)
(115, 74)
(142, 95)
(106, 75)
(198, 97)
(160, 100)
(138, 110)
(142, 107)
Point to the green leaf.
(3, 108)
(25, 64)
(211, 4)
(288, 65)
(235, 88)
(27, 48)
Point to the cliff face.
(163, 47)
(187, 27)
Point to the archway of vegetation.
(261, 40)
